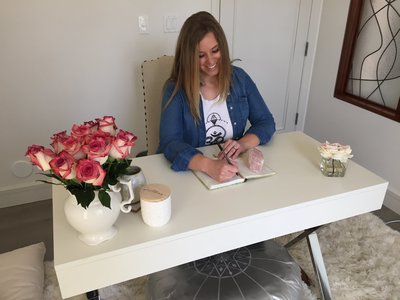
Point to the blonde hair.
(186, 71)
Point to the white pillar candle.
(155, 202)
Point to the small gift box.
(334, 158)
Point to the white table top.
(206, 222)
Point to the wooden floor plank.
(26, 224)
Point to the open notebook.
(244, 172)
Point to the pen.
(228, 160)
(226, 157)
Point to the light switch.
(143, 22)
(171, 24)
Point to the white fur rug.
(361, 254)
(362, 258)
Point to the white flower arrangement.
(335, 151)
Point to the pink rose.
(63, 142)
(57, 141)
(122, 144)
(97, 135)
(40, 156)
(94, 126)
(107, 124)
(90, 171)
(64, 165)
(97, 146)
(80, 131)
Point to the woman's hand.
(221, 170)
(233, 148)
(218, 169)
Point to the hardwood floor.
(26, 224)
(389, 217)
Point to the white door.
(269, 37)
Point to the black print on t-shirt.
(215, 132)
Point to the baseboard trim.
(23, 194)
(392, 201)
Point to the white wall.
(375, 140)
(69, 61)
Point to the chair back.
(154, 75)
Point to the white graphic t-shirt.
(217, 120)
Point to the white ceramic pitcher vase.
(95, 224)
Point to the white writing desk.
(206, 222)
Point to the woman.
(207, 101)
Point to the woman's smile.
(209, 56)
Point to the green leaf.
(83, 196)
(49, 175)
(49, 182)
(105, 199)
(112, 181)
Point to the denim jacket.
(180, 135)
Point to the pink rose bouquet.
(90, 159)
